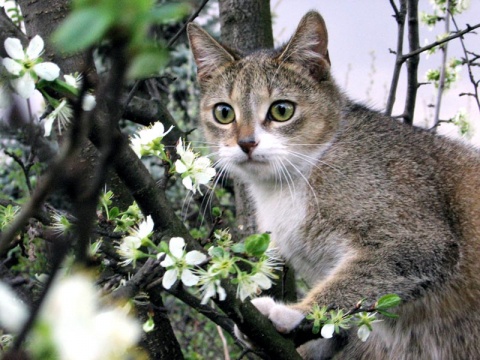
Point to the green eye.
(281, 110)
(223, 113)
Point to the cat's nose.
(247, 145)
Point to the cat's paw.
(283, 317)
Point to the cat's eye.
(223, 113)
(281, 110)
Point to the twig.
(440, 42)
(226, 353)
(25, 168)
(190, 19)
(468, 61)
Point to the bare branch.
(442, 41)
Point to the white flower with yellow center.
(147, 141)
(179, 263)
(252, 285)
(128, 248)
(27, 66)
(195, 170)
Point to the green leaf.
(257, 244)
(168, 13)
(238, 248)
(60, 86)
(164, 247)
(113, 213)
(216, 211)
(83, 28)
(216, 251)
(387, 314)
(148, 63)
(388, 301)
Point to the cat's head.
(268, 114)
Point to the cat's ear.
(309, 45)
(209, 55)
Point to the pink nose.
(247, 145)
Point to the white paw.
(264, 304)
(285, 318)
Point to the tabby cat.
(358, 203)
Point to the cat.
(358, 203)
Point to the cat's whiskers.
(313, 161)
(289, 179)
(304, 178)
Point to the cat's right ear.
(308, 47)
(209, 55)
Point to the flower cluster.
(329, 322)
(129, 248)
(72, 316)
(195, 170)
(148, 141)
(249, 265)
(25, 68)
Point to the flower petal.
(327, 331)
(35, 47)
(262, 280)
(47, 70)
(168, 261)
(24, 86)
(13, 312)
(363, 332)
(195, 257)
(48, 125)
(189, 278)
(14, 48)
(176, 246)
(89, 102)
(12, 66)
(169, 278)
(222, 295)
(187, 182)
(180, 167)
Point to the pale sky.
(359, 30)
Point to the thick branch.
(412, 63)
(400, 18)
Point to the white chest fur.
(283, 214)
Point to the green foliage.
(120, 21)
(257, 244)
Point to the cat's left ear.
(309, 45)
(209, 55)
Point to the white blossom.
(327, 331)
(13, 312)
(63, 113)
(89, 101)
(210, 286)
(128, 248)
(147, 141)
(363, 332)
(27, 66)
(80, 327)
(179, 263)
(196, 170)
(251, 285)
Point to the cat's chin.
(253, 170)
